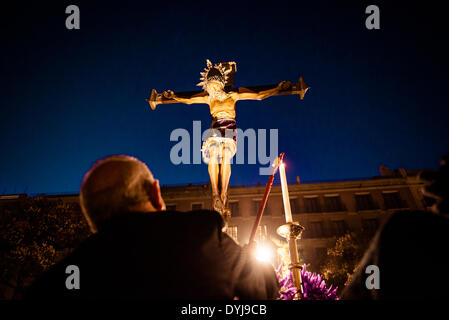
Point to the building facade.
(327, 210)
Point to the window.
(333, 203)
(171, 207)
(392, 200)
(232, 232)
(364, 202)
(316, 230)
(370, 226)
(261, 233)
(197, 206)
(312, 204)
(234, 207)
(339, 227)
(256, 207)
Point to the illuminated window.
(232, 232)
(261, 234)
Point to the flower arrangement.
(314, 286)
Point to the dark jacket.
(411, 253)
(162, 255)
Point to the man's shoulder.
(203, 222)
(202, 217)
(201, 213)
(208, 216)
(147, 226)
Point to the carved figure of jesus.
(220, 148)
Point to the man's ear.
(156, 196)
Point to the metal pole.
(265, 199)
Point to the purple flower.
(313, 284)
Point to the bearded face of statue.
(215, 90)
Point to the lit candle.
(285, 197)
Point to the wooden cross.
(300, 88)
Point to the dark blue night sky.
(69, 97)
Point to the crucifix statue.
(217, 82)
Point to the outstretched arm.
(169, 94)
(283, 85)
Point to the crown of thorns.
(216, 72)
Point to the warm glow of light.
(264, 254)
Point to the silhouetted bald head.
(115, 185)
